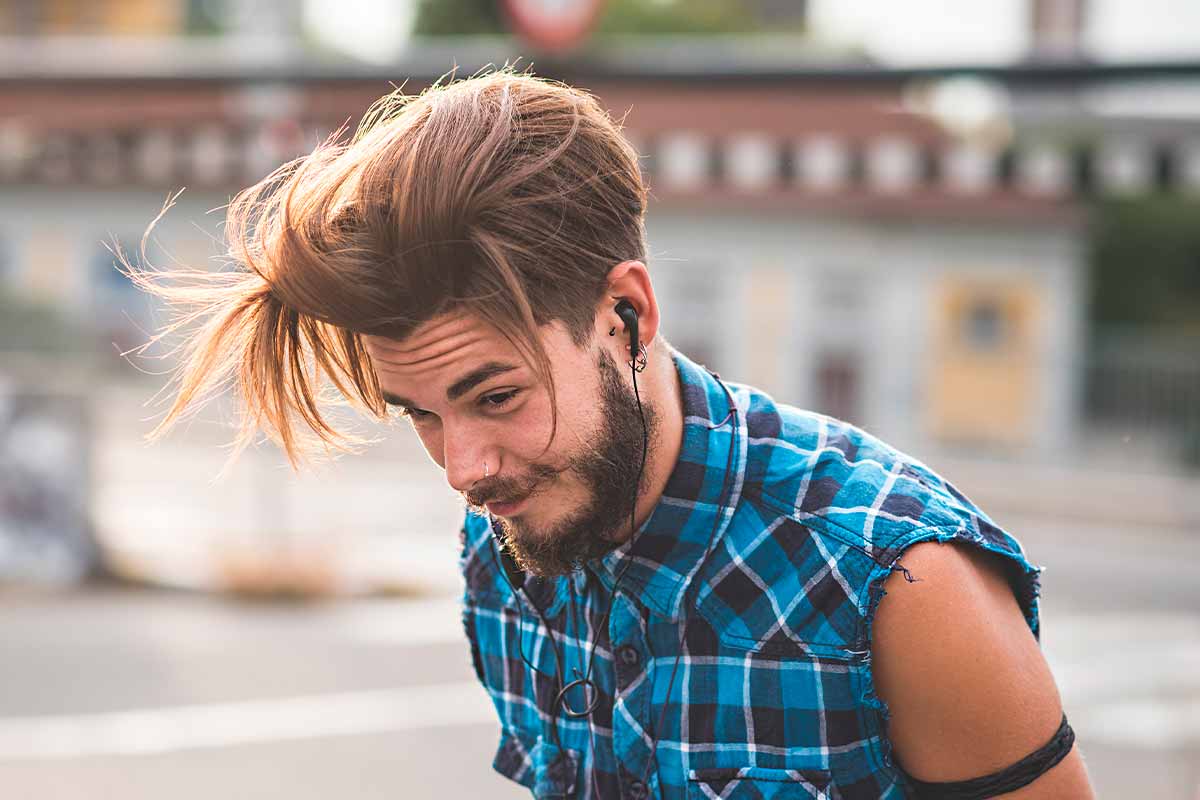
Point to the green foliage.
(206, 17)
(1145, 258)
(619, 17)
(458, 18)
(678, 17)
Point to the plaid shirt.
(736, 662)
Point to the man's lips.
(507, 509)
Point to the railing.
(1147, 388)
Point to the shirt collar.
(689, 519)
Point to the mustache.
(507, 490)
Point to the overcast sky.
(909, 32)
(917, 31)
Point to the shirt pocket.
(758, 783)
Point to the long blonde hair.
(504, 192)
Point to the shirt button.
(638, 791)
(629, 655)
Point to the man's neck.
(659, 385)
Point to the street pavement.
(152, 693)
(139, 694)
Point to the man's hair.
(505, 194)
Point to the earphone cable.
(662, 716)
(586, 681)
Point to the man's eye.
(415, 413)
(499, 399)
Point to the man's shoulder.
(826, 511)
(834, 474)
(851, 488)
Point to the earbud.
(629, 316)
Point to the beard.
(608, 469)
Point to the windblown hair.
(505, 193)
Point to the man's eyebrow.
(476, 377)
(459, 387)
(397, 400)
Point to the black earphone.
(637, 350)
(629, 316)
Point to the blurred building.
(815, 228)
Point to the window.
(839, 376)
(984, 325)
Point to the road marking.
(164, 730)
(1129, 680)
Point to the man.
(673, 583)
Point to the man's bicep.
(967, 686)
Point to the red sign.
(553, 25)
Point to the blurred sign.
(553, 25)
(44, 531)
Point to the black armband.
(1009, 779)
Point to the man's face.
(473, 400)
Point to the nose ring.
(486, 473)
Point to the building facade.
(810, 230)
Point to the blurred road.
(152, 694)
(155, 694)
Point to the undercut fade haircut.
(505, 194)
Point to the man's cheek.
(531, 429)
(433, 447)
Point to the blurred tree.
(655, 17)
(1145, 260)
(682, 17)
(206, 17)
(458, 18)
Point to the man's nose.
(464, 456)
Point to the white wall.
(896, 267)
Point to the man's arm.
(969, 691)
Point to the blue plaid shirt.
(736, 662)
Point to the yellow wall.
(143, 17)
(114, 17)
(981, 392)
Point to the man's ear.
(629, 281)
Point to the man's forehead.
(445, 337)
(459, 351)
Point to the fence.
(1147, 388)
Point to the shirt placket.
(633, 734)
